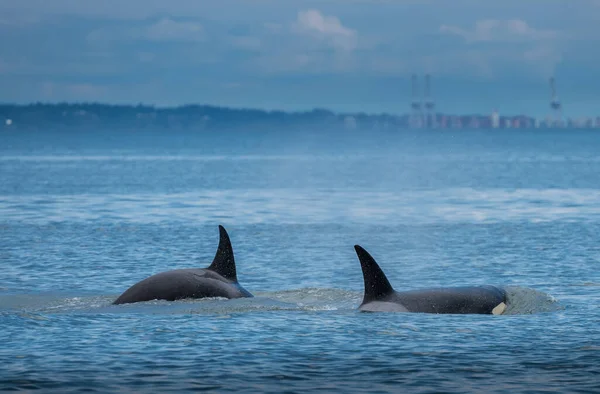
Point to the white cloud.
(493, 30)
(326, 28)
(315, 21)
(313, 43)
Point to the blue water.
(84, 215)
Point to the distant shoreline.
(200, 117)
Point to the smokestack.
(415, 104)
(555, 105)
(430, 118)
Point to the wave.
(292, 206)
(95, 158)
(469, 157)
(520, 301)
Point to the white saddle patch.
(499, 309)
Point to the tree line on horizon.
(196, 116)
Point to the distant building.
(474, 123)
(444, 121)
(456, 122)
(495, 119)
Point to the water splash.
(525, 301)
(520, 300)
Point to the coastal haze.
(293, 125)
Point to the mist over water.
(85, 215)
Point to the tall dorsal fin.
(376, 284)
(224, 263)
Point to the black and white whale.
(217, 280)
(381, 297)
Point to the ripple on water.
(85, 215)
(311, 206)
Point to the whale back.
(377, 286)
(224, 262)
(381, 297)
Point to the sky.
(343, 55)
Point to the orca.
(217, 280)
(380, 296)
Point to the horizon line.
(314, 109)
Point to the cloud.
(326, 28)
(79, 91)
(315, 21)
(247, 43)
(163, 30)
(496, 46)
(312, 44)
(185, 50)
(113, 9)
(17, 20)
(493, 30)
(543, 58)
(284, 63)
(167, 29)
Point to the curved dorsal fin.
(376, 284)
(224, 263)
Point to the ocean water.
(85, 214)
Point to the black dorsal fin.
(376, 284)
(224, 263)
